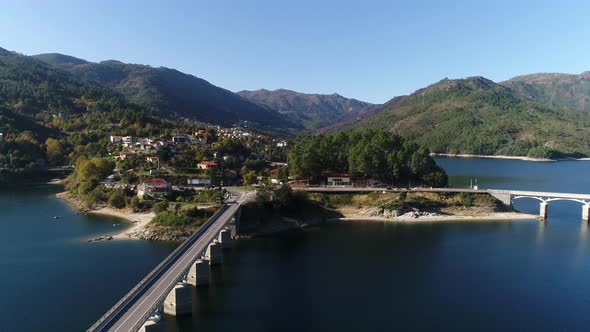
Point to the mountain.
(312, 110)
(169, 92)
(56, 59)
(477, 116)
(559, 90)
(30, 86)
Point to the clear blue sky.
(369, 50)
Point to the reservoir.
(350, 276)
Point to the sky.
(368, 50)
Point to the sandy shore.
(495, 216)
(139, 221)
(460, 155)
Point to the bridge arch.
(583, 202)
(533, 197)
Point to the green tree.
(249, 178)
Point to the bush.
(116, 199)
(168, 218)
(161, 206)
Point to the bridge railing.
(148, 280)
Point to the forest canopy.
(366, 155)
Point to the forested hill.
(478, 116)
(314, 111)
(559, 90)
(168, 92)
(30, 86)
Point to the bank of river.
(350, 275)
(482, 156)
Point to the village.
(207, 158)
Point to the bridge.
(505, 196)
(167, 288)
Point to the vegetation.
(167, 92)
(557, 90)
(369, 154)
(477, 116)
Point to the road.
(130, 315)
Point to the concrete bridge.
(508, 196)
(505, 196)
(167, 288)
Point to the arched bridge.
(508, 196)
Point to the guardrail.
(104, 322)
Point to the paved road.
(132, 315)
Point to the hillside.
(312, 110)
(170, 93)
(30, 86)
(559, 90)
(478, 116)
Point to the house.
(337, 179)
(199, 182)
(116, 139)
(129, 141)
(207, 165)
(180, 139)
(154, 186)
(125, 154)
(152, 159)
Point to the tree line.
(366, 155)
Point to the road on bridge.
(131, 316)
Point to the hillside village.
(206, 158)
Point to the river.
(351, 276)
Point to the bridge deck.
(131, 316)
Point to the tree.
(55, 151)
(116, 199)
(249, 178)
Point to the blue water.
(461, 276)
(51, 278)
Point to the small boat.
(57, 217)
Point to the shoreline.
(505, 157)
(138, 221)
(490, 216)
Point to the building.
(181, 139)
(207, 165)
(125, 154)
(199, 182)
(337, 179)
(282, 144)
(129, 141)
(154, 186)
(116, 139)
(152, 159)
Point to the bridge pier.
(543, 210)
(213, 253)
(198, 275)
(586, 212)
(179, 301)
(225, 238)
